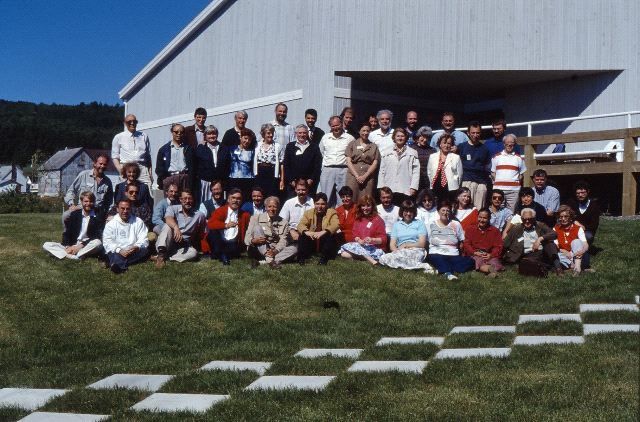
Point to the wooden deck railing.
(627, 167)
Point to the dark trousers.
(327, 246)
(222, 247)
(451, 264)
(121, 263)
(267, 181)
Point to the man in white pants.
(83, 230)
(184, 227)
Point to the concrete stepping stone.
(610, 328)
(28, 398)
(549, 317)
(63, 417)
(133, 381)
(229, 365)
(604, 307)
(337, 353)
(385, 341)
(388, 366)
(477, 352)
(291, 382)
(638, 299)
(484, 329)
(540, 340)
(165, 402)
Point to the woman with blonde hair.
(369, 235)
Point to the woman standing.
(465, 212)
(408, 240)
(241, 175)
(444, 168)
(363, 160)
(421, 140)
(572, 241)
(400, 168)
(212, 162)
(267, 164)
(369, 236)
(445, 239)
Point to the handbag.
(532, 268)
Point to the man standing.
(293, 208)
(182, 232)
(132, 146)
(175, 161)
(334, 161)
(476, 160)
(545, 195)
(302, 159)
(347, 117)
(231, 137)
(82, 233)
(382, 136)
(507, 171)
(194, 134)
(94, 181)
(411, 126)
(586, 208)
(170, 198)
(315, 133)
(495, 144)
(124, 239)
(227, 228)
(448, 126)
(284, 131)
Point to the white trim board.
(227, 108)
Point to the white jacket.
(400, 173)
(452, 169)
(120, 234)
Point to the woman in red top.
(464, 211)
(346, 214)
(572, 242)
(368, 231)
(483, 243)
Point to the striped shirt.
(507, 168)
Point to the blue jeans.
(451, 263)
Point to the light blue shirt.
(500, 218)
(549, 198)
(459, 137)
(408, 233)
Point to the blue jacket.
(205, 170)
(163, 161)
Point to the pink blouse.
(370, 228)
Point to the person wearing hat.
(421, 144)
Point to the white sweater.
(121, 234)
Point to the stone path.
(32, 399)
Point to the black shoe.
(116, 269)
(301, 262)
(323, 261)
(255, 263)
(225, 260)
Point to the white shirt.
(389, 217)
(508, 168)
(582, 207)
(427, 216)
(120, 234)
(214, 151)
(199, 134)
(301, 147)
(382, 140)
(131, 147)
(292, 210)
(333, 149)
(284, 133)
(82, 237)
(232, 232)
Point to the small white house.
(13, 179)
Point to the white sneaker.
(451, 277)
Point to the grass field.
(66, 325)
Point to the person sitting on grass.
(445, 240)
(464, 211)
(346, 215)
(216, 201)
(124, 239)
(227, 228)
(317, 229)
(268, 237)
(525, 200)
(180, 236)
(369, 235)
(532, 240)
(130, 174)
(139, 208)
(388, 212)
(171, 198)
(408, 240)
(500, 214)
(483, 243)
(571, 242)
(82, 234)
(427, 210)
(256, 205)
(586, 208)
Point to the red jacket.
(489, 240)
(346, 222)
(217, 219)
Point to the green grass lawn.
(65, 324)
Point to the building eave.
(175, 44)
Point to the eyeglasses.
(496, 197)
(178, 132)
(528, 219)
(133, 192)
(131, 122)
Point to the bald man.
(132, 146)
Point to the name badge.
(298, 152)
(521, 239)
(237, 152)
(369, 224)
(468, 157)
(359, 147)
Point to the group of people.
(410, 197)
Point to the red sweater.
(217, 221)
(370, 228)
(346, 221)
(489, 240)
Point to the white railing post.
(529, 129)
(628, 120)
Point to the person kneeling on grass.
(408, 240)
(572, 241)
(317, 229)
(83, 230)
(181, 234)
(483, 243)
(268, 237)
(125, 238)
(369, 235)
(227, 228)
(445, 239)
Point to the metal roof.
(60, 158)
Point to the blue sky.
(67, 52)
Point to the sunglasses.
(131, 122)
(178, 132)
(496, 197)
(528, 219)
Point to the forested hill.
(28, 127)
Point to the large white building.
(529, 60)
